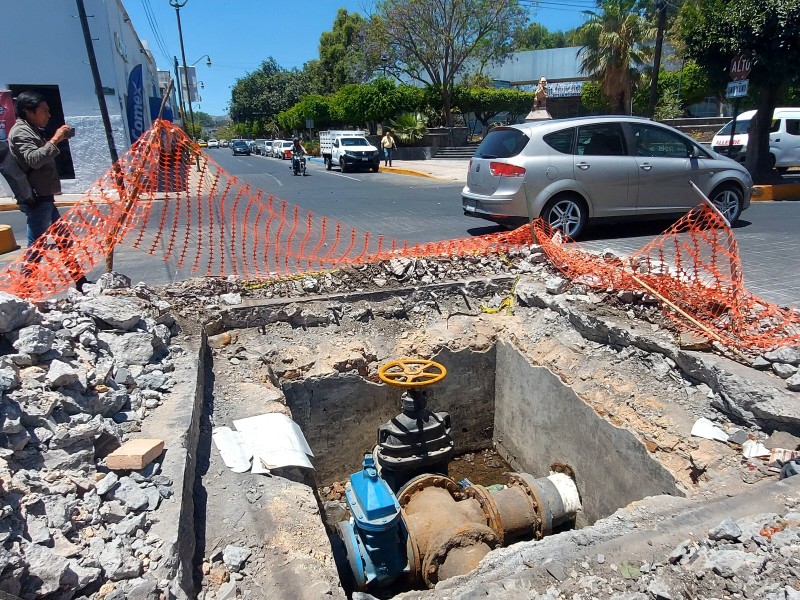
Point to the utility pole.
(177, 5)
(101, 100)
(661, 8)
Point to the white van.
(784, 138)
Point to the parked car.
(266, 148)
(212, 143)
(283, 150)
(202, 143)
(277, 148)
(256, 146)
(240, 147)
(588, 168)
(784, 138)
(224, 143)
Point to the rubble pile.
(77, 376)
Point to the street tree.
(259, 96)
(431, 41)
(765, 31)
(339, 51)
(613, 41)
(536, 36)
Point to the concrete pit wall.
(340, 414)
(539, 421)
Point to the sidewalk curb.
(397, 170)
(783, 191)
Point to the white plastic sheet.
(275, 441)
(706, 429)
(232, 449)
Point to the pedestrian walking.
(36, 157)
(388, 144)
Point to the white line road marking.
(345, 176)
(275, 178)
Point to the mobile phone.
(71, 133)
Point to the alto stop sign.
(740, 67)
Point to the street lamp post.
(384, 61)
(178, 5)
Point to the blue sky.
(239, 34)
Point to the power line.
(148, 11)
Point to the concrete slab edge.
(254, 313)
(180, 430)
(752, 402)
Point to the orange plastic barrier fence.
(695, 270)
(167, 198)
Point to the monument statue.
(539, 111)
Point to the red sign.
(7, 116)
(740, 67)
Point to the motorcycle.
(298, 164)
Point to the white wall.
(42, 44)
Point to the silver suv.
(610, 167)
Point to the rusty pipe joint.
(447, 534)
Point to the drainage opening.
(573, 466)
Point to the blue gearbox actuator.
(375, 536)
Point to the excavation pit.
(496, 399)
(542, 388)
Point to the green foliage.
(431, 41)
(487, 103)
(613, 41)
(310, 107)
(766, 31)
(204, 119)
(676, 91)
(339, 51)
(372, 102)
(195, 133)
(536, 36)
(408, 128)
(592, 98)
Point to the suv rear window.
(502, 143)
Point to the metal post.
(101, 100)
(733, 125)
(177, 6)
(662, 17)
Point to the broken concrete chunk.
(118, 312)
(106, 483)
(16, 313)
(135, 454)
(793, 383)
(235, 557)
(789, 355)
(35, 340)
(130, 494)
(556, 285)
(783, 370)
(726, 530)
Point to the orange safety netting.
(167, 198)
(694, 269)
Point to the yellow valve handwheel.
(412, 372)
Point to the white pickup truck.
(348, 150)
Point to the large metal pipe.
(450, 530)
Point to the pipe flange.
(421, 482)
(465, 537)
(524, 481)
(489, 507)
(412, 554)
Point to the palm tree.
(612, 41)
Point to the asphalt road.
(417, 209)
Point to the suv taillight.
(499, 169)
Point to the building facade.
(43, 49)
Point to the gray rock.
(235, 557)
(38, 532)
(136, 348)
(556, 285)
(118, 312)
(109, 403)
(78, 456)
(122, 376)
(129, 525)
(106, 483)
(154, 380)
(782, 439)
(731, 563)
(112, 512)
(740, 436)
(793, 383)
(783, 370)
(16, 313)
(71, 434)
(49, 570)
(113, 281)
(35, 339)
(130, 494)
(153, 497)
(789, 354)
(726, 530)
(85, 575)
(557, 571)
(163, 333)
(144, 589)
(659, 589)
(761, 363)
(118, 563)
(9, 377)
(61, 374)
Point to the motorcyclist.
(298, 152)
